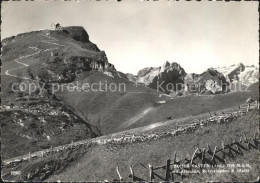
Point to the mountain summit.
(70, 53)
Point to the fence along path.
(179, 129)
(201, 159)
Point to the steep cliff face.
(165, 78)
(78, 33)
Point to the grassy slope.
(99, 163)
(20, 46)
(26, 131)
(108, 110)
(101, 108)
(118, 111)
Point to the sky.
(136, 34)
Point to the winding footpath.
(38, 51)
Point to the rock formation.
(166, 78)
(210, 81)
(247, 75)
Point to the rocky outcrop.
(166, 78)
(144, 71)
(78, 33)
(210, 81)
(247, 75)
(131, 77)
(65, 69)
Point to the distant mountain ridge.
(213, 80)
(247, 75)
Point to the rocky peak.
(240, 72)
(209, 81)
(165, 65)
(170, 66)
(168, 73)
(144, 71)
(78, 33)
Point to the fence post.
(168, 171)
(238, 148)
(172, 177)
(248, 107)
(223, 151)
(248, 143)
(151, 173)
(235, 143)
(240, 140)
(203, 155)
(255, 140)
(182, 174)
(172, 172)
(209, 148)
(132, 173)
(193, 156)
(175, 157)
(245, 137)
(120, 178)
(213, 156)
(235, 140)
(230, 141)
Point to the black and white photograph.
(129, 91)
